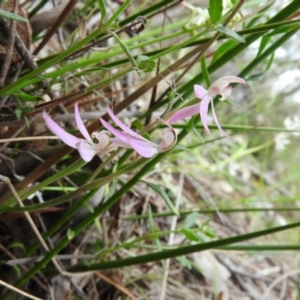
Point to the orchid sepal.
(184, 113)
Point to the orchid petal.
(199, 91)
(66, 137)
(122, 125)
(125, 138)
(140, 146)
(144, 148)
(223, 133)
(223, 83)
(80, 125)
(232, 79)
(203, 111)
(225, 93)
(117, 133)
(86, 150)
(217, 87)
(184, 113)
(119, 142)
(168, 139)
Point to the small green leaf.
(137, 124)
(18, 114)
(184, 261)
(154, 231)
(209, 232)
(28, 97)
(205, 71)
(70, 234)
(126, 50)
(269, 64)
(113, 26)
(182, 149)
(164, 195)
(145, 64)
(12, 16)
(190, 220)
(263, 43)
(215, 9)
(230, 33)
(17, 269)
(190, 235)
(256, 77)
(17, 245)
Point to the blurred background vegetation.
(212, 218)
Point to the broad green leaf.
(230, 33)
(12, 16)
(215, 9)
(164, 195)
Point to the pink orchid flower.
(220, 87)
(130, 139)
(86, 147)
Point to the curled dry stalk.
(7, 181)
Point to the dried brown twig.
(20, 46)
(35, 229)
(10, 48)
(18, 290)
